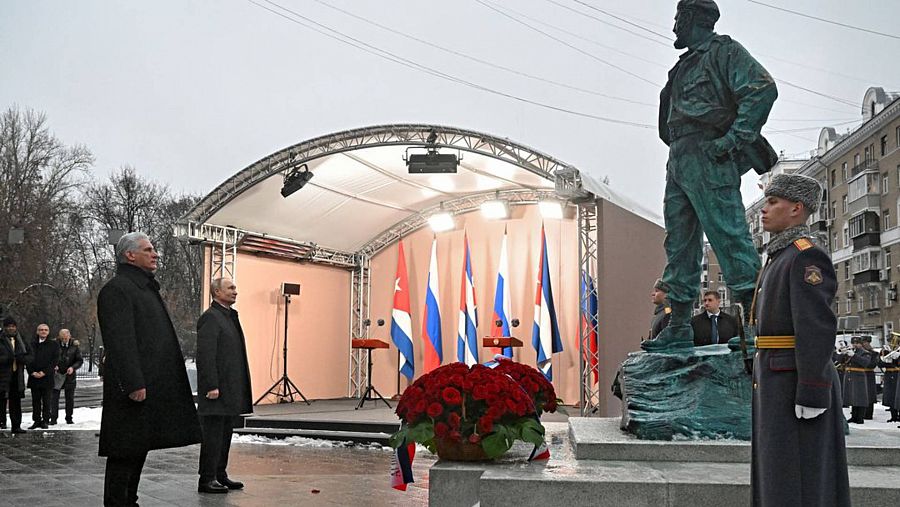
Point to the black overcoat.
(222, 363)
(797, 462)
(858, 390)
(142, 351)
(22, 356)
(69, 357)
(888, 382)
(46, 355)
(661, 316)
(702, 326)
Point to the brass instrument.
(891, 344)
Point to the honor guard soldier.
(799, 456)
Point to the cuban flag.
(502, 299)
(466, 338)
(431, 322)
(401, 323)
(545, 333)
(589, 322)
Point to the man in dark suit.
(40, 376)
(713, 326)
(223, 384)
(799, 456)
(147, 400)
(69, 361)
(15, 354)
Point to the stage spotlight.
(496, 209)
(441, 221)
(295, 180)
(431, 162)
(551, 208)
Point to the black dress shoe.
(18, 430)
(44, 426)
(212, 486)
(69, 421)
(230, 484)
(35, 426)
(52, 423)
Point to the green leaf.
(397, 439)
(532, 431)
(422, 432)
(496, 444)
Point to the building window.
(887, 259)
(846, 270)
(834, 203)
(721, 279)
(849, 308)
(883, 145)
(873, 298)
(898, 137)
(846, 236)
(884, 183)
(833, 178)
(834, 243)
(856, 160)
(886, 220)
(887, 302)
(859, 304)
(844, 172)
(888, 327)
(844, 204)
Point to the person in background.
(40, 376)
(15, 354)
(69, 362)
(856, 387)
(713, 326)
(662, 311)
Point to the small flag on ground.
(466, 338)
(401, 466)
(401, 323)
(545, 332)
(431, 324)
(589, 322)
(502, 299)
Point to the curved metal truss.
(370, 137)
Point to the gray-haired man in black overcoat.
(799, 455)
(223, 384)
(147, 401)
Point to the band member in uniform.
(890, 365)
(857, 391)
(799, 456)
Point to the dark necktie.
(715, 328)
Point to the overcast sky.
(190, 92)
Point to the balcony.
(868, 276)
(865, 165)
(867, 202)
(866, 240)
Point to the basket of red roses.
(463, 413)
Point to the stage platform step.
(601, 439)
(567, 480)
(321, 434)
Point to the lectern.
(501, 341)
(368, 345)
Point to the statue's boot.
(748, 348)
(677, 335)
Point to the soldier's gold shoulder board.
(813, 275)
(668, 310)
(803, 244)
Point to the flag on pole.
(467, 339)
(502, 299)
(401, 323)
(545, 333)
(431, 323)
(401, 465)
(589, 323)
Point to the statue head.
(694, 21)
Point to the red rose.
(510, 405)
(451, 396)
(441, 429)
(434, 410)
(485, 424)
(453, 420)
(474, 439)
(455, 436)
(420, 406)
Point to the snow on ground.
(87, 419)
(304, 442)
(878, 421)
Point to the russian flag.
(466, 338)
(502, 299)
(401, 465)
(589, 323)
(545, 333)
(431, 323)
(401, 323)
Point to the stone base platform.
(593, 463)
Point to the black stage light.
(431, 162)
(295, 180)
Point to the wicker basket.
(459, 451)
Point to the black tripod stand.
(370, 388)
(284, 389)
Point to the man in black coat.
(69, 361)
(15, 354)
(40, 378)
(223, 384)
(799, 456)
(662, 311)
(147, 400)
(713, 326)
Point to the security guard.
(712, 109)
(799, 456)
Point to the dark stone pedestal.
(703, 392)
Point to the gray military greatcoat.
(858, 391)
(798, 462)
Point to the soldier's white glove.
(808, 412)
(894, 355)
(850, 353)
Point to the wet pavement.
(61, 468)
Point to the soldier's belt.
(776, 342)
(851, 368)
(687, 129)
(892, 369)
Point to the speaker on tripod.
(284, 389)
